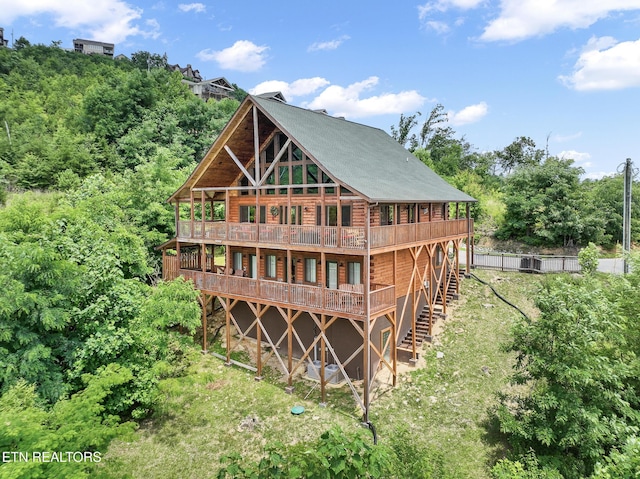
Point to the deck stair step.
(422, 319)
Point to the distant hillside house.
(331, 248)
(188, 72)
(216, 88)
(3, 42)
(91, 47)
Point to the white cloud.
(196, 7)
(606, 65)
(243, 55)
(301, 87)
(444, 5)
(520, 19)
(104, 20)
(469, 114)
(347, 101)
(439, 27)
(582, 158)
(330, 45)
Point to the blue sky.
(563, 72)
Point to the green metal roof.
(366, 159)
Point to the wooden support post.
(227, 318)
(226, 216)
(258, 342)
(179, 257)
(394, 348)
(290, 280)
(177, 214)
(469, 243)
(430, 296)
(338, 218)
(323, 359)
(414, 306)
(202, 213)
(203, 303)
(289, 348)
(367, 319)
(193, 213)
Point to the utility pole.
(626, 215)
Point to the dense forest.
(91, 148)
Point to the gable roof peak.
(273, 95)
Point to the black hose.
(215, 335)
(372, 428)
(500, 296)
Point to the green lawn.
(215, 410)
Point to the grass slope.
(215, 410)
(446, 403)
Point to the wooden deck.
(346, 238)
(344, 300)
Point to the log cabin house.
(340, 248)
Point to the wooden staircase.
(422, 321)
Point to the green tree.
(403, 133)
(588, 259)
(623, 464)
(144, 60)
(545, 205)
(606, 196)
(579, 401)
(73, 299)
(78, 425)
(521, 152)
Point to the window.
(327, 180)
(271, 180)
(247, 214)
(237, 260)
(253, 267)
(439, 255)
(353, 273)
(270, 266)
(312, 178)
(296, 173)
(346, 215)
(263, 214)
(310, 275)
(284, 178)
(332, 274)
(244, 181)
(332, 216)
(386, 215)
(296, 215)
(411, 214)
(282, 212)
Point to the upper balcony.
(334, 237)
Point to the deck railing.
(351, 238)
(301, 295)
